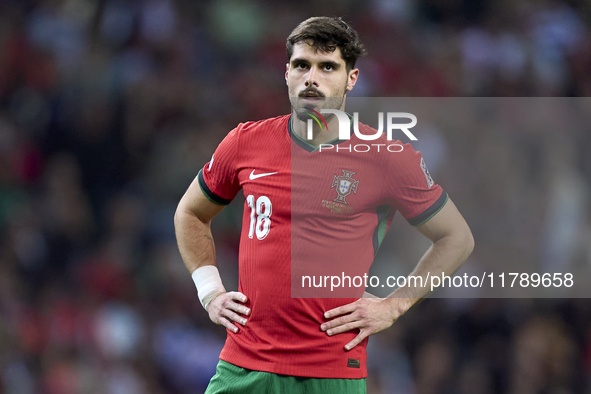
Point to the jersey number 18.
(263, 209)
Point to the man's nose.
(312, 80)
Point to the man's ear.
(352, 79)
(286, 72)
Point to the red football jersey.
(308, 212)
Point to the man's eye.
(301, 65)
(328, 67)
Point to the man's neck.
(319, 135)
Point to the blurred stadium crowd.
(108, 109)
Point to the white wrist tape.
(208, 282)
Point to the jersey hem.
(279, 369)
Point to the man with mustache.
(276, 343)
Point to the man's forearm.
(198, 252)
(445, 255)
(194, 240)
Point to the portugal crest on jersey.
(345, 184)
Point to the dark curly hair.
(327, 34)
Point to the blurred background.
(108, 109)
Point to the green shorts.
(230, 379)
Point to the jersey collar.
(305, 144)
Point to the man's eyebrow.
(331, 63)
(299, 60)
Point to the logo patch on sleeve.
(353, 363)
(430, 182)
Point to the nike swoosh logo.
(253, 176)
